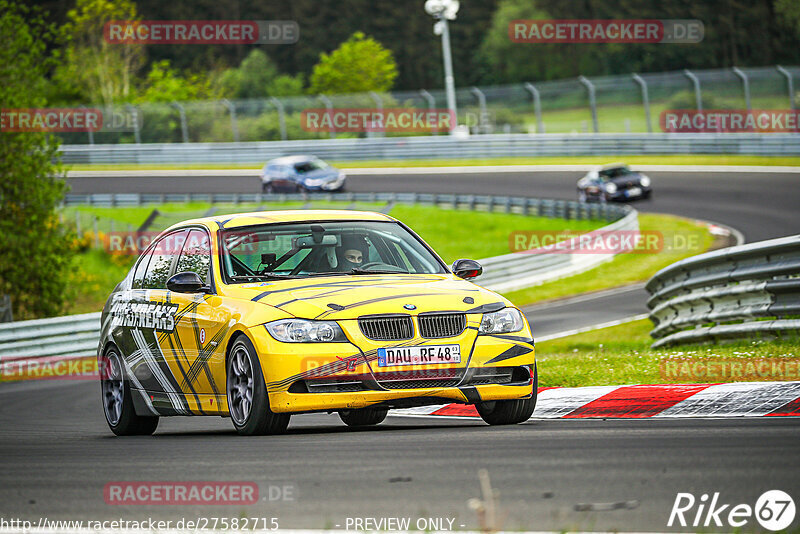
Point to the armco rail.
(733, 293)
(77, 335)
(437, 147)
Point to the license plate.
(633, 192)
(422, 355)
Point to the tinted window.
(138, 276)
(162, 255)
(196, 255)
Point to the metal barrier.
(438, 147)
(733, 293)
(68, 336)
(77, 336)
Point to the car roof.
(237, 220)
(610, 166)
(287, 160)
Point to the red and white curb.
(736, 399)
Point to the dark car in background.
(615, 182)
(297, 174)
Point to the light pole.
(442, 11)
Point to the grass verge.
(667, 159)
(622, 355)
(623, 269)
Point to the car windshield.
(310, 165)
(616, 172)
(299, 250)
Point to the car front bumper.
(290, 368)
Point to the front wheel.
(364, 416)
(248, 402)
(509, 412)
(117, 402)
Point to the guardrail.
(69, 336)
(734, 293)
(77, 336)
(439, 147)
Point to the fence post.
(329, 107)
(234, 126)
(89, 130)
(482, 127)
(645, 101)
(698, 96)
(136, 133)
(537, 106)
(592, 101)
(379, 107)
(789, 85)
(431, 107)
(184, 127)
(745, 85)
(281, 116)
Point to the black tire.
(119, 412)
(363, 416)
(267, 188)
(253, 418)
(509, 412)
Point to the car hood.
(329, 173)
(349, 297)
(627, 179)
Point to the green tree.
(360, 64)
(35, 249)
(101, 72)
(165, 84)
(258, 77)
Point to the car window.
(162, 255)
(308, 166)
(308, 249)
(138, 275)
(196, 255)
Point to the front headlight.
(611, 188)
(501, 322)
(645, 181)
(303, 331)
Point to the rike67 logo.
(774, 510)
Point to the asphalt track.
(56, 453)
(762, 205)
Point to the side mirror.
(186, 282)
(466, 269)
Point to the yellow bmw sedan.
(258, 316)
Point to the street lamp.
(442, 11)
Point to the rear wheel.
(267, 188)
(248, 402)
(509, 412)
(363, 416)
(117, 401)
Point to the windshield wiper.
(357, 270)
(265, 276)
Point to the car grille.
(492, 375)
(420, 378)
(436, 325)
(387, 327)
